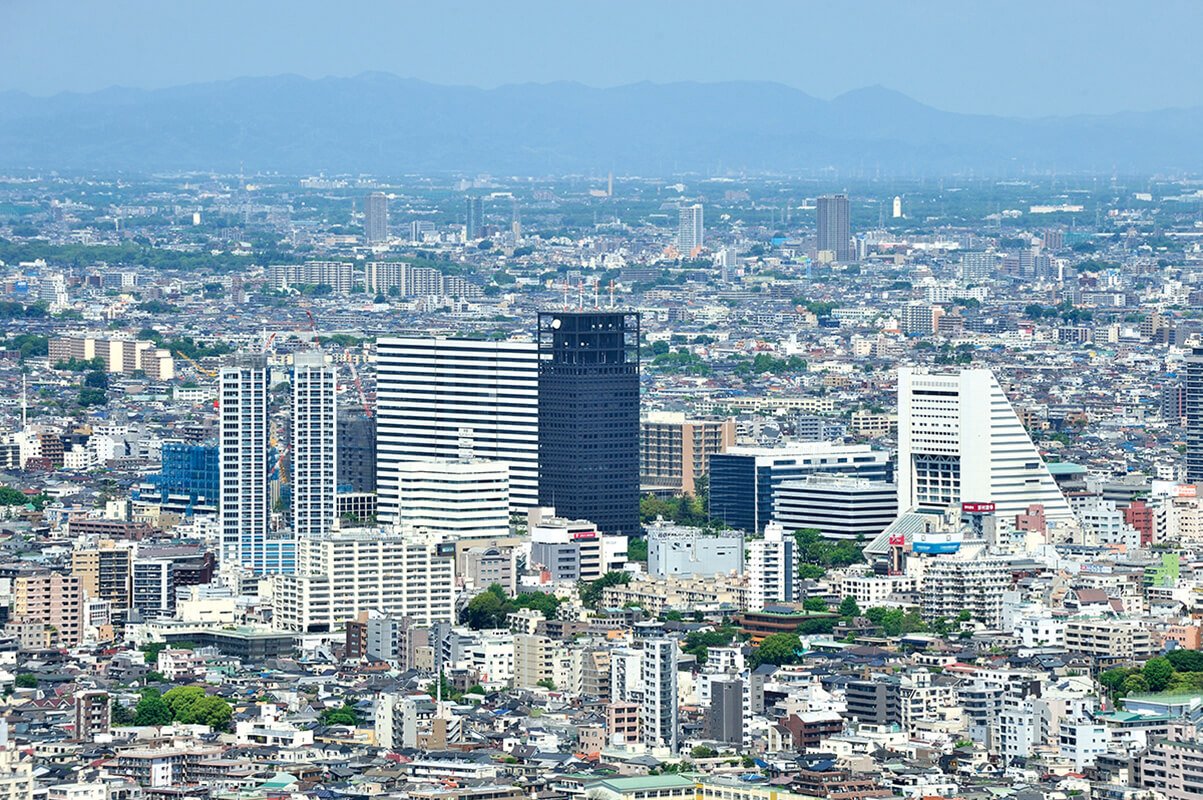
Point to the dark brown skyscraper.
(589, 417)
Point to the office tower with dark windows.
(589, 417)
(356, 450)
(1194, 414)
(689, 233)
(314, 444)
(243, 458)
(476, 218)
(835, 226)
(453, 398)
(375, 218)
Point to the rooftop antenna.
(565, 294)
(596, 286)
(24, 404)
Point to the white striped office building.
(437, 397)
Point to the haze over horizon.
(1024, 59)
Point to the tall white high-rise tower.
(959, 441)
(243, 464)
(314, 444)
(449, 398)
(689, 232)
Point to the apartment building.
(674, 450)
(343, 573)
(54, 601)
(1108, 638)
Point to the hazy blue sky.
(1013, 58)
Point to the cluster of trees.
(682, 509)
(94, 391)
(637, 549)
(12, 497)
(1177, 671)
(74, 364)
(696, 642)
(158, 307)
(129, 254)
(817, 555)
(10, 310)
(1065, 311)
(895, 621)
(187, 704)
(185, 345)
(591, 593)
(766, 363)
(779, 649)
(683, 362)
(489, 609)
(346, 714)
(29, 345)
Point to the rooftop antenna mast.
(24, 404)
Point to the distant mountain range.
(382, 124)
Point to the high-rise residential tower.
(375, 218)
(447, 398)
(835, 226)
(314, 444)
(476, 218)
(1194, 414)
(589, 417)
(661, 720)
(689, 233)
(959, 441)
(243, 459)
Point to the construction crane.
(196, 366)
(363, 399)
(367, 409)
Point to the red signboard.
(977, 508)
(585, 535)
(897, 541)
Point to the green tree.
(545, 602)
(485, 610)
(817, 604)
(214, 712)
(96, 380)
(849, 607)
(702, 751)
(637, 550)
(1158, 673)
(93, 397)
(12, 497)
(344, 715)
(1186, 660)
(591, 594)
(1134, 684)
(548, 684)
(182, 701)
(121, 715)
(779, 648)
(26, 680)
(152, 710)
